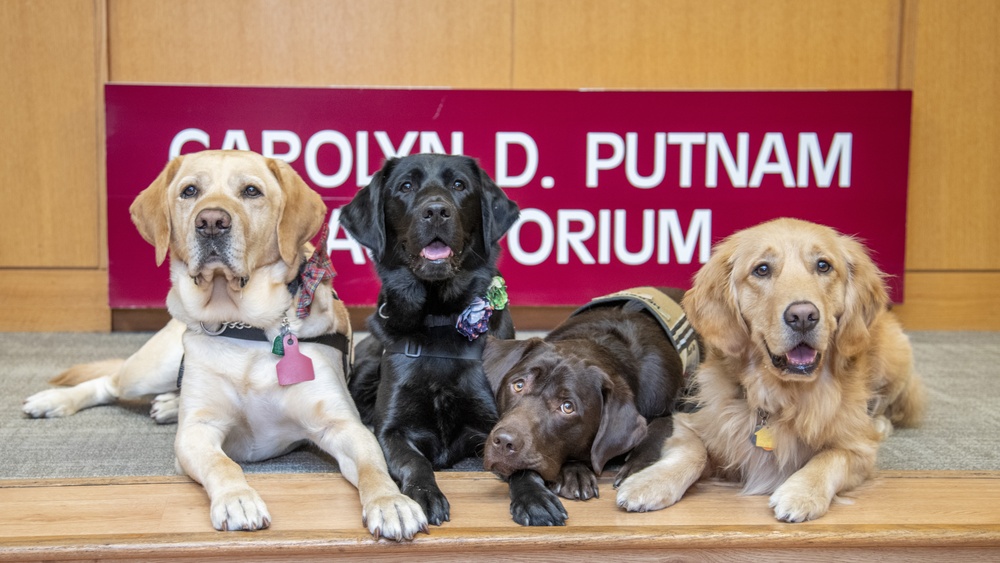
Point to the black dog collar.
(254, 334)
(239, 331)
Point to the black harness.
(439, 343)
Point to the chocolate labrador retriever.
(600, 385)
(432, 224)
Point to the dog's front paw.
(542, 508)
(795, 502)
(240, 509)
(576, 481)
(394, 517)
(883, 426)
(649, 489)
(51, 403)
(431, 500)
(164, 408)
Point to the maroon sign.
(617, 189)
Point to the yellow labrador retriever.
(807, 371)
(262, 334)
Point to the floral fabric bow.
(475, 319)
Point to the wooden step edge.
(443, 475)
(483, 542)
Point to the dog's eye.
(189, 192)
(252, 191)
(823, 266)
(762, 270)
(567, 407)
(458, 185)
(517, 386)
(406, 187)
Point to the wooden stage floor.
(906, 516)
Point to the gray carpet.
(961, 431)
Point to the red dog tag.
(294, 367)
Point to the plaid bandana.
(317, 269)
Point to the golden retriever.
(806, 372)
(237, 226)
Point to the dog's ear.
(301, 214)
(865, 297)
(499, 211)
(501, 355)
(151, 210)
(711, 304)
(364, 216)
(621, 428)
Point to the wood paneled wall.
(56, 55)
(53, 266)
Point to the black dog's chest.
(444, 406)
(442, 386)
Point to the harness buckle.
(412, 349)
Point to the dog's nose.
(436, 210)
(801, 316)
(212, 222)
(506, 443)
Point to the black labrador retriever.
(600, 385)
(432, 224)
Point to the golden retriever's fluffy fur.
(800, 341)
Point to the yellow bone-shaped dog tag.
(763, 438)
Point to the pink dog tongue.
(801, 355)
(436, 250)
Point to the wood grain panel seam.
(906, 55)
(512, 41)
(101, 56)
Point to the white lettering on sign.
(686, 142)
(594, 161)
(839, 157)
(662, 235)
(631, 158)
(349, 156)
(268, 140)
(737, 168)
(541, 254)
(608, 151)
(503, 177)
(184, 137)
(698, 236)
(342, 144)
(571, 238)
(347, 242)
(773, 147)
(236, 139)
